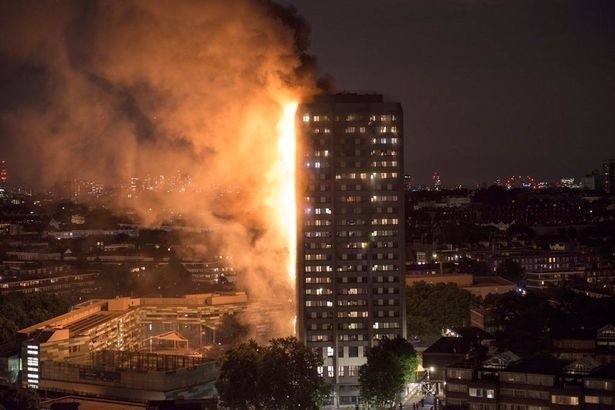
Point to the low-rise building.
(103, 348)
(480, 286)
(73, 283)
(505, 383)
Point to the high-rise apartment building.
(350, 231)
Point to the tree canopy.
(390, 366)
(523, 322)
(232, 330)
(12, 397)
(526, 323)
(511, 270)
(281, 375)
(431, 308)
(19, 310)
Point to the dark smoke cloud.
(108, 90)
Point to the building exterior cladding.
(350, 277)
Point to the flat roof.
(91, 321)
(491, 280)
(539, 366)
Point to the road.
(414, 402)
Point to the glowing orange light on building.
(286, 199)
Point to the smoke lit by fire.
(110, 90)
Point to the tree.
(431, 308)
(524, 322)
(232, 330)
(390, 366)
(12, 397)
(18, 310)
(478, 268)
(511, 270)
(289, 376)
(117, 280)
(238, 382)
(404, 350)
(281, 375)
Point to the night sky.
(489, 88)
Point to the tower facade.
(350, 278)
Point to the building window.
(486, 393)
(566, 400)
(456, 387)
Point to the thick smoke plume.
(109, 90)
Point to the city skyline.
(493, 88)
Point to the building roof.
(91, 321)
(41, 336)
(491, 281)
(501, 360)
(582, 366)
(605, 372)
(471, 332)
(539, 366)
(449, 345)
(576, 334)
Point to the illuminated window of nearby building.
(567, 400)
(486, 393)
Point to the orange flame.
(286, 196)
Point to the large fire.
(286, 195)
(189, 104)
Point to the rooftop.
(539, 366)
(605, 372)
(83, 325)
(449, 345)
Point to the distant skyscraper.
(350, 276)
(3, 177)
(437, 181)
(608, 175)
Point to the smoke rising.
(109, 90)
